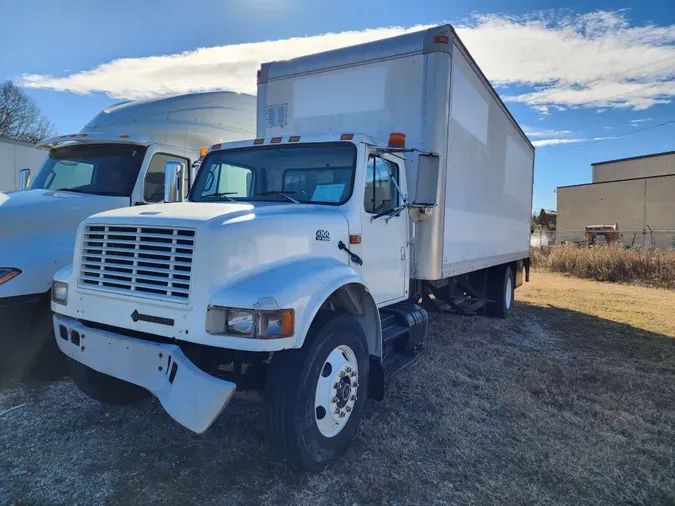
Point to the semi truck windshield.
(97, 169)
(302, 173)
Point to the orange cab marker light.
(441, 39)
(203, 150)
(62, 136)
(11, 274)
(354, 239)
(294, 138)
(396, 140)
(84, 135)
(124, 136)
(275, 140)
(259, 141)
(72, 135)
(216, 146)
(346, 137)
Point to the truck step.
(393, 332)
(398, 363)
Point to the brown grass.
(653, 267)
(568, 402)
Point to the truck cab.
(117, 160)
(304, 264)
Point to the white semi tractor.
(387, 179)
(117, 160)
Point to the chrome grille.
(146, 261)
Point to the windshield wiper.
(283, 194)
(221, 195)
(74, 190)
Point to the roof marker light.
(72, 135)
(346, 137)
(84, 135)
(216, 146)
(396, 140)
(124, 136)
(441, 39)
(259, 141)
(294, 138)
(275, 140)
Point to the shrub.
(613, 263)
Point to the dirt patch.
(556, 405)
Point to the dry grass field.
(615, 263)
(569, 401)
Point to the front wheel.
(314, 396)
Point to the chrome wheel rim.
(509, 292)
(336, 391)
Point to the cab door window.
(381, 194)
(153, 186)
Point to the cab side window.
(381, 194)
(153, 187)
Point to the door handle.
(403, 253)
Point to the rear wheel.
(104, 388)
(314, 396)
(501, 290)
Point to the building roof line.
(652, 155)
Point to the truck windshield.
(302, 173)
(97, 169)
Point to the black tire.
(289, 411)
(499, 282)
(28, 349)
(103, 388)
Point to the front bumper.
(189, 395)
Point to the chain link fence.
(662, 239)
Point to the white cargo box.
(426, 85)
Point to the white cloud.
(597, 60)
(553, 142)
(539, 132)
(636, 122)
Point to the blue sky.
(573, 73)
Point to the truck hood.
(234, 241)
(36, 212)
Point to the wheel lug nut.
(336, 385)
(353, 374)
(335, 399)
(355, 384)
(348, 369)
(352, 398)
(342, 414)
(348, 409)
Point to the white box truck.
(116, 160)
(14, 156)
(387, 179)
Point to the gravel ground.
(553, 406)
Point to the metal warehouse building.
(14, 156)
(637, 194)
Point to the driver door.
(384, 245)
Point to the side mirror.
(173, 181)
(426, 188)
(23, 181)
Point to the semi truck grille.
(145, 261)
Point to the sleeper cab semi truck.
(117, 160)
(305, 263)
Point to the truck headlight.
(7, 273)
(248, 323)
(60, 292)
(221, 320)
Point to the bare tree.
(20, 117)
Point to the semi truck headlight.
(7, 273)
(248, 323)
(60, 292)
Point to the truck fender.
(306, 285)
